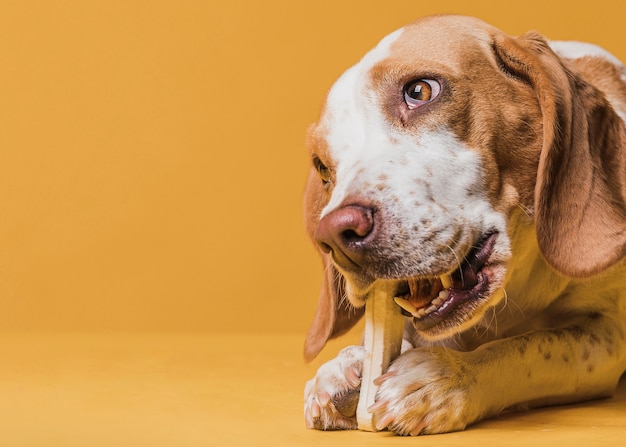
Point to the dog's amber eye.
(420, 91)
(322, 169)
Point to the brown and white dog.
(453, 148)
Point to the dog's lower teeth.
(422, 312)
(431, 309)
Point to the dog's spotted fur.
(524, 147)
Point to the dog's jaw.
(439, 312)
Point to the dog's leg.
(436, 390)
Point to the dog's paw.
(426, 391)
(331, 397)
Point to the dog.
(455, 149)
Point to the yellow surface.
(216, 390)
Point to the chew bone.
(384, 326)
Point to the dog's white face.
(388, 144)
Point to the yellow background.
(151, 152)
(152, 165)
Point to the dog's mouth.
(431, 300)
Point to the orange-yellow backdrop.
(151, 152)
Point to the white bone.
(384, 326)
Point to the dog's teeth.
(437, 301)
(431, 309)
(441, 298)
(406, 305)
(422, 312)
(446, 281)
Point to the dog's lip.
(470, 282)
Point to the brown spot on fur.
(577, 333)
(586, 354)
(608, 341)
(429, 194)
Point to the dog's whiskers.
(528, 212)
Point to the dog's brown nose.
(345, 233)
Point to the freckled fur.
(526, 138)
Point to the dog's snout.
(345, 232)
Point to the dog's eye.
(420, 91)
(322, 170)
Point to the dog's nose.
(345, 233)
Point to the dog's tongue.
(422, 292)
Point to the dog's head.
(429, 147)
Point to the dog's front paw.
(331, 397)
(426, 391)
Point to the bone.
(384, 326)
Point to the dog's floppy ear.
(580, 193)
(334, 315)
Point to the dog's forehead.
(444, 39)
(349, 100)
(433, 44)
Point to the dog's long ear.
(580, 193)
(335, 315)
